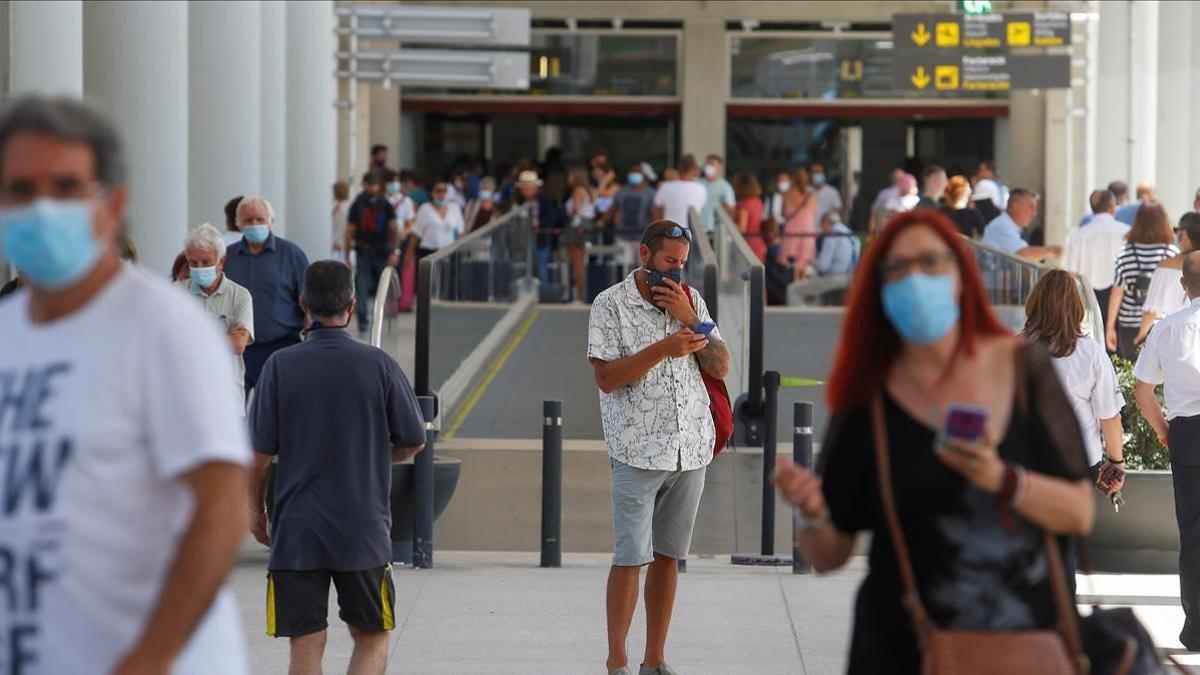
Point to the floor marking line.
(490, 374)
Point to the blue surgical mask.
(439, 202)
(256, 234)
(655, 277)
(921, 307)
(634, 178)
(203, 277)
(50, 241)
(393, 188)
(818, 178)
(485, 195)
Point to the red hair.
(869, 344)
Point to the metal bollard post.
(552, 484)
(802, 455)
(423, 489)
(770, 431)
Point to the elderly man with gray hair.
(834, 265)
(224, 300)
(272, 269)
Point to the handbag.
(978, 652)
(719, 402)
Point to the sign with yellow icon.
(1020, 33)
(959, 71)
(933, 32)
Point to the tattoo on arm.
(714, 358)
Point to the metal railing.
(741, 296)
(1007, 278)
(471, 294)
(701, 269)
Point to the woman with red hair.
(973, 496)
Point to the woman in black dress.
(924, 339)
(956, 204)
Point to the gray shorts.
(653, 512)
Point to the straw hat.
(527, 178)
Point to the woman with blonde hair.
(1055, 314)
(956, 204)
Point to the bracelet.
(1022, 485)
(1110, 460)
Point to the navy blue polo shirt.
(275, 278)
(332, 409)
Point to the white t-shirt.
(109, 407)
(1171, 357)
(986, 188)
(1092, 250)
(675, 197)
(1165, 295)
(433, 230)
(1090, 381)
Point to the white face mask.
(784, 186)
(710, 170)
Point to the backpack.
(719, 402)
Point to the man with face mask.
(719, 193)
(115, 404)
(224, 300)
(630, 213)
(336, 414)
(373, 234)
(272, 269)
(647, 357)
(828, 197)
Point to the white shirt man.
(1171, 357)
(676, 198)
(1092, 249)
(125, 501)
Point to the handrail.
(425, 282)
(708, 258)
(386, 279)
(756, 321)
(1009, 257)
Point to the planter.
(1143, 537)
(446, 471)
(445, 480)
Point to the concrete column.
(46, 47)
(385, 123)
(225, 90)
(1113, 88)
(1058, 199)
(360, 158)
(1175, 167)
(705, 87)
(1027, 115)
(1143, 90)
(273, 123)
(311, 125)
(136, 69)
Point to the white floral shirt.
(661, 421)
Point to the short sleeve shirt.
(1090, 381)
(1171, 357)
(661, 421)
(718, 193)
(102, 415)
(332, 409)
(1003, 233)
(232, 306)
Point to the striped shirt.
(1135, 265)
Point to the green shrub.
(1142, 449)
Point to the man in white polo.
(647, 358)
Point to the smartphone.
(965, 423)
(705, 328)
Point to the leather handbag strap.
(912, 598)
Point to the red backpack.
(719, 402)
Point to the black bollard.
(423, 489)
(802, 455)
(770, 432)
(552, 483)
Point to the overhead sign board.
(456, 26)
(934, 32)
(448, 69)
(959, 71)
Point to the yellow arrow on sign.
(920, 79)
(921, 35)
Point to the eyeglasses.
(928, 263)
(673, 232)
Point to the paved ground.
(499, 613)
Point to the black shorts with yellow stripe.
(298, 601)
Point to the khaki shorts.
(653, 512)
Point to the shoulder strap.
(911, 598)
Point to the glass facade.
(594, 64)
(820, 69)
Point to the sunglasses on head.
(673, 232)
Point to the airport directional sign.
(936, 32)
(962, 71)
